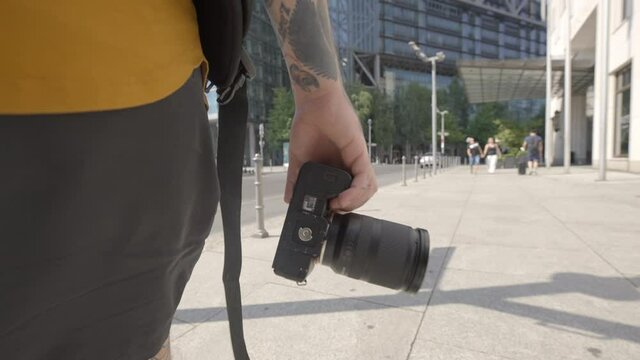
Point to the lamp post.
(442, 133)
(369, 122)
(434, 100)
(261, 142)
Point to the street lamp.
(442, 133)
(261, 134)
(434, 100)
(369, 122)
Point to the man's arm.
(325, 128)
(540, 147)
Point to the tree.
(455, 100)
(362, 100)
(383, 125)
(412, 104)
(280, 116)
(484, 124)
(509, 134)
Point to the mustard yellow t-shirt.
(64, 56)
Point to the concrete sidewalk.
(521, 267)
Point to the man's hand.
(327, 130)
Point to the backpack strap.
(223, 24)
(246, 71)
(232, 123)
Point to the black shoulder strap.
(223, 25)
(232, 123)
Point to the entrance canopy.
(504, 80)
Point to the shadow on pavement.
(495, 298)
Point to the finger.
(362, 188)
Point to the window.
(489, 50)
(433, 38)
(511, 54)
(444, 24)
(511, 41)
(489, 35)
(627, 9)
(623, 112)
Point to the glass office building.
(262, 45)
(372, 35)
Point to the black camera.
(373, 250)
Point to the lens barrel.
(377, 251)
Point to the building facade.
(372, 36)
(576, 30)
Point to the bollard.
(261, 232)
(424, 170)
(436, 163)
(271, 165)
(404, 170)
(415, 168)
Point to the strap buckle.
(246, 71)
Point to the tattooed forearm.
(303, 78)
(165, 352)
(311, 41)
(304, 31)
(283, 26)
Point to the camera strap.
(232, 125)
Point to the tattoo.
(310, 39)
(164, 353)
(283, 26)
(303, 78)
(268, 3)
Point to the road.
(273, 190)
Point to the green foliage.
(412, 114)
(383, 125)
(454, 99)
(456, 134)
(362, 100)
(509, 134)
(280, 116)
(484, 124)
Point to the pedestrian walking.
(474, 152)
(491, 153)
(533, 145)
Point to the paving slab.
(522, 260)
(522, 267)
(307, 325)
(431, 350)
(564, 316)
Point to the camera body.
(308, 219)
(374, 250)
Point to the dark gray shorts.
(534, 155)
(102, 218)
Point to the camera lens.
(377, 251)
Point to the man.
(533, 145)
(474, 152)
(108, 185)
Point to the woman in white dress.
(491, 152)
